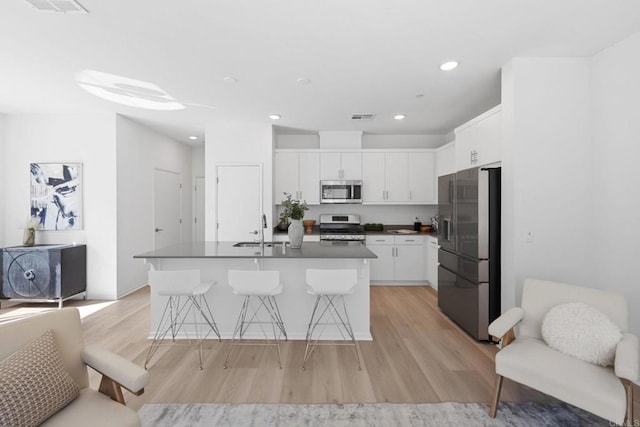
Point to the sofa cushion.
(581, 331)
(34, 383)
(94, 409)
(594, 388)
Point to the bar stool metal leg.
(174, 317)
(252, 311)
(321, 317)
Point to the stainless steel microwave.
(340, 191)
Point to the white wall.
(3, 180)
(298, 141)
(615, 231)
(197, 161)
(84, 138)
(368, 140)
(402, 141)
(547, 173)
(570, 173)
(238, 143)
(140, 151)
(197, 170)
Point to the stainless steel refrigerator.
(469, 255)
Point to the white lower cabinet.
(400, 258)
(432, 260)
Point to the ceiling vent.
(362, 116)
(58, 6)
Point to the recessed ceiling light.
(303, 81)
(447, 66)
(399, 117)
(230, 80)
(275, 116)
(193, 137)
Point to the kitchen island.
(215, 259)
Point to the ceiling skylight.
(126, 91)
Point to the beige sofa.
(92, 407)
(606, 392)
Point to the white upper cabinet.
(373, 179)
(446, 159)
(351, 166)
(308, 178)
(286, 175)
(422, 182)
(398, 177)
(297, 173)
(478, 142)
(341, 165)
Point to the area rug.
(531, 414)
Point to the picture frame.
(56, 196)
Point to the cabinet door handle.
(409, 240)
(410, 196)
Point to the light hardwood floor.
(417, 355)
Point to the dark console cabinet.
(43, 272)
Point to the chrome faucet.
(261, 232)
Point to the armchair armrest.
(627, 362)
(122, 371)
(503, 324)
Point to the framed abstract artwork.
(56, 195)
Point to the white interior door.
(239, 202)
(198, 218)
(166, 208)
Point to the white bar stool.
(185, 285)
(330, 287)
(262, 286)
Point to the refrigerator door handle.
(447, 225)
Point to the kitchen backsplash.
(395, 214)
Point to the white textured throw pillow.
(581, 331)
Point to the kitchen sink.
(253, 244)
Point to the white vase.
(296, 233)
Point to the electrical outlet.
(529, 237)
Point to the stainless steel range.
(341, 227)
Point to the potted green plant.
(293, 212)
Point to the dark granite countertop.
(227, 250)
(315, 232)
(388, 231)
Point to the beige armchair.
(606, 392)
(92, 407)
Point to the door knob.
(158, 229)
